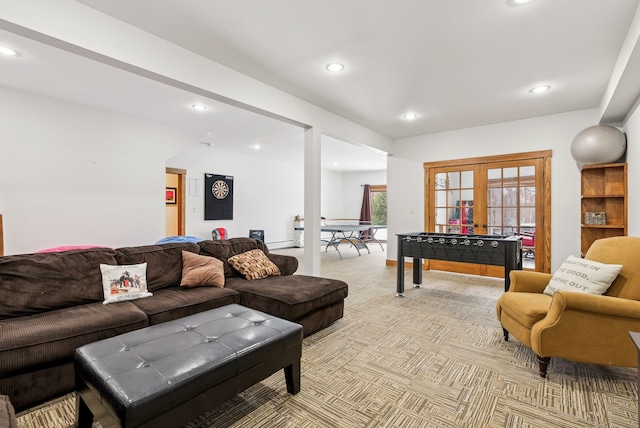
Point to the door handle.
(484, 225)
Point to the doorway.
(175, 203)
(495, 195)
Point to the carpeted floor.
(433, 359)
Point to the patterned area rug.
(435, 358)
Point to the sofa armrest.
(7, 413)
(528, 282)
(288, 265)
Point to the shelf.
(604, 190)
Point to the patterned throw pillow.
(583, 276)
(253, 264)
(201, 271)
(123, 282)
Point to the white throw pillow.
(123, 282)
(583, 276)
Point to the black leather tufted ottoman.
(168, 374)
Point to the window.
(379, 204)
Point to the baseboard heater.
(279, 244)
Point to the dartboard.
(220, 189)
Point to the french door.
(500, 195)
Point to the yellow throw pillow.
(253, 264)
(201, 271)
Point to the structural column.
(312, 198)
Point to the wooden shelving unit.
(604, 190)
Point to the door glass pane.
(510, 195)
(494, 216)
(494, 197)
(454, 215)
(510, 217)
(494, 175)
(467, 179)
(527, 196)
(441, 180)
(467, 217)
(454, 180)
(509, 173)
(528, 171)
(441, 215)
(454, 198)
(441, 198)
(527, 218)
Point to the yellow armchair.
(579, 327)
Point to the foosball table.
(497, 250)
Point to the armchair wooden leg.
(506, 334)
(543, 363)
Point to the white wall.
(331, 189)
(556, 132)
(353, 190)
(632, 129)
(75, 175)
(268, 194)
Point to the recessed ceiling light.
(410, 116)
(335, 164)
(256, 147)
(335, 67)
(540, 89)
(199, 107)
(518, 2)
(8, 51)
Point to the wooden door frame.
(543, 231)
(181, 200)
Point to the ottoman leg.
(84, 417)
(292, 376)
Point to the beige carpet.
(433, 359)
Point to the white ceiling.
(455, 63)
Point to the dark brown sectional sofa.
(51, 303)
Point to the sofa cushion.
(38, 340)
(164, 262)
(289, 297)
(253, 264)
(34, 283)
(176, 302)
(201, 271)
(124, 282)
(223, 249)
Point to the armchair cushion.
(525, 308)
(583, 276)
